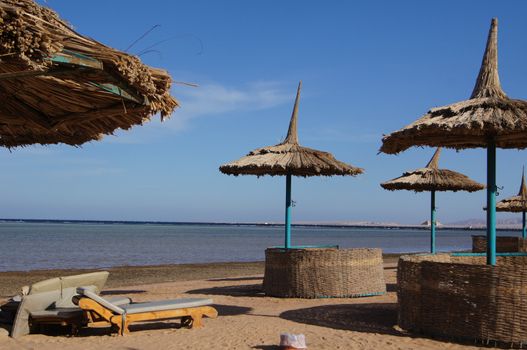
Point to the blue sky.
(368, 68)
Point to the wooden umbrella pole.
(433, 222)
(287, 244)
(524, 233)
(491, 203)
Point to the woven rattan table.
(458, 296)
(504, 244)
(323, 272)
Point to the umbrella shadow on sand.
(378, 318)
(231, 310)
(241, 290)
(228, 279)
(370, 318)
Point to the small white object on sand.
(292, 341)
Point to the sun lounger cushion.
(165, 305)
(70, 313)
(110, 306)
(97, 279)
(67, 295)
(60, 313)
(145, 307)
(117, 300)
(45, 286)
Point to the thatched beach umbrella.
(431, 178)
(516, 204)
(489, 119)
(290, 159)
(58, 86)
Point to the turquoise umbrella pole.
(491, 203)
(287, 243)
(433, 223)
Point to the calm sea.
(28, 246)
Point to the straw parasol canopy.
(431, 178)
(58, 86)
(515, 204)
(488, 114)
(289, 158)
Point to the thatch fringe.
(289, 159)
(67, 104)
(431, 178)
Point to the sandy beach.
(247, 319)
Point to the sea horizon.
(473, 224)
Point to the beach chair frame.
(98, 315)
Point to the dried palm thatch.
(515, 204)
(289, 157)
(489, 115)
(60, 87)
(431, 178)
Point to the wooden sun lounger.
(102, 312)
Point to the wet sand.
(12, 281)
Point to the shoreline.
(354, 225)
(123, 276)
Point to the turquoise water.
(28, 246)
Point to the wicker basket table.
(504, 244)
(323, 272)
(461, 297)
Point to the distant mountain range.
(502, 223)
